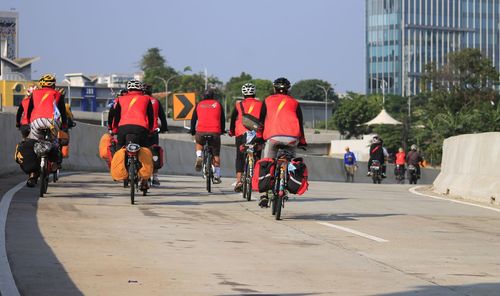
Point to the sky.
(298, 39)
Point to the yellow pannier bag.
(104, 144)
(118, 169)
(147, 166)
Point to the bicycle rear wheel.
(44, 178)
(131, 176)
(279, 206)
(247, 182)
(209, 172)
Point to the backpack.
(263, 175)
(26, 157)
(157, 156)
(297, 177)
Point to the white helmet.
(248, 89)
(413, 147)
(134, 85)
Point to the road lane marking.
(414, 191)
(7, 283)
(346, 229)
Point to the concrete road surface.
(85, 238)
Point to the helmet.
(401, 149)
(413, 147)
(209, 94)
(376, 139)
(248, 89)
(281, 85)
(47, 80)
(147, 89)
(134, 85)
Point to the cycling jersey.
(282, 116)
(43, 104)
(251, 106)
(22, 112)
(158, 113)
(208, 117)
(400, 158)
(134, 108)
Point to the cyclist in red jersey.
(22, 122)
(208, 119)
(252, 106)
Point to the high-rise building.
(402, 36)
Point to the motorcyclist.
(283, 123)
(400, 160)
(414, 158)
(208, 119)
(252, 106)
(378, 152)
(46, 111)
(159, 113)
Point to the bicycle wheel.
(274, 202)
(209, 172)
(247, 181)
(131, 176)
(279, 206)
(43, 178)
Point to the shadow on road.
(483, 289)
(337, 217)
(36, 269)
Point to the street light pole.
(166, 88)
(69, 90)
(326, 103)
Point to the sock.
(217, 172)
(198, 153)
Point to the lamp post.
(166, 81)
(326, 103)
(383, 87)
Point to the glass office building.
(402, 36)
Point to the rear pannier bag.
(157, 156)
(297, 177)
(118, 169)
(104, 143)
(26, 157)
(263, 175)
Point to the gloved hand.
(230, 133)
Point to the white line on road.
(374, 238)
(414, 191)
(7, 283)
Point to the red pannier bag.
(263, 175)
(297, 177)
(157, 156)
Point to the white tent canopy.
(383, 118)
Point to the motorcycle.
(412, 174)
(376, 171)
(399, 172)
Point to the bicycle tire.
(273, 204)
(209, 172)
(279, 206)
(43, 178)
(131, 176)
(247, 182)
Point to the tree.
(308, 90)
(353, 111)
(154, 65)
(264, 88)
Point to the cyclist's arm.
(61, 105)
(163, 118)
(118, 114)
(263, 113)
(302, 139)
(194, 119)
(30, 108)
(222, 121)
(234, 116)
(19, 114)
(151, 116)
(111, 116)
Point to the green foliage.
(353, 111)
(155, 65)
(310, 91)
(264, 88)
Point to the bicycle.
(133, 166)
(279, 190)
(247, 175)
(208, 168)
(42, 149)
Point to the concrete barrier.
(179, 154)
(471, 167)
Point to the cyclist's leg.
(199, 142)
(216, 151)
(240, 158)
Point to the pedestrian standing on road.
(350, 164)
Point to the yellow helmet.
(47, 80)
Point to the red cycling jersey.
(281, 117)
(134, 106)
(209, 116)
(44, 102)
(252, 106)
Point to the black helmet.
(147, 89)
(209, 94)
(281, 85)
